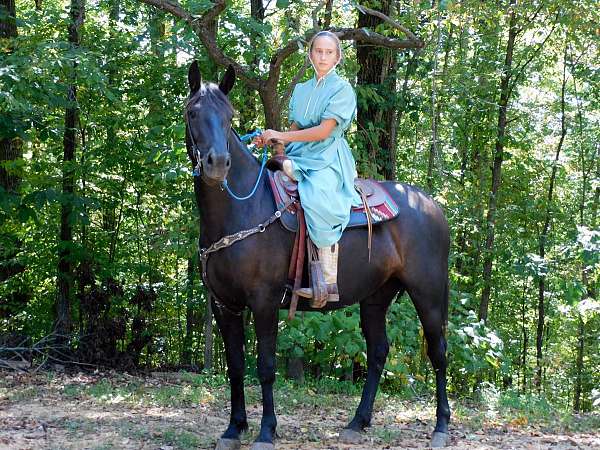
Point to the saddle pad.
(383, 206)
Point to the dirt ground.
(57, 411)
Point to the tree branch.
(522, 66)
(201, 26)
(365, 36)
(382, 16)
(288, 92)
(204, 27)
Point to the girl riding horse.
(319, 157)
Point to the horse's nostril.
(210, 160)
(228, 163)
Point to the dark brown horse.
(409, 253)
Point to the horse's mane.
(210, 93)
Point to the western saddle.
(377, 206)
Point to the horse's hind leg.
(431, 302)
(231, 327)
(372, 322)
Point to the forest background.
(490, 107)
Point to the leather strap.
(298, 261)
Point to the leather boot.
(329, 259)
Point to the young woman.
(320, 110)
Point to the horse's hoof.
(348, 436)
(439, 439)
(228, 444)
(262, 446)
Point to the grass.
(181, 439)
(19, 395)
(143, 394)
(517, 409)
(325, 394)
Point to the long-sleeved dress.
(325, 169)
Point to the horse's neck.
(220, 213)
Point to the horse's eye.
(192, 114)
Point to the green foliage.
(135, 222)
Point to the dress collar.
(331, 74)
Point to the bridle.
(197, 171)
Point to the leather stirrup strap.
(363, 197)
(299, 263)
(294, 259)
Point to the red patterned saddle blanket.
(381, 205)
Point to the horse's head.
(208, 115)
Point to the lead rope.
(198, 168)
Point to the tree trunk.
(505, 90)
(10, 146)
(208, 336)
(186, 355)
(390, 119)
(433, 148)
(545, 229)
(373, 65)
(295, 369)
(590, 290)
(579, 364)
(10, 150)
(8, 21)
(257, 10)
(65, 269)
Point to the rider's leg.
(328, 258)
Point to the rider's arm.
(278, 147)
(316, 133)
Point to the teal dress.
(325, 169)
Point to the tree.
(65, 255)
(268, 87)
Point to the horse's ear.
(228, 80)
(194, 78)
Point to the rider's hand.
(271, 137)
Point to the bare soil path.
(119, 411)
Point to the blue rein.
(245, 138)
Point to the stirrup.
(304, 292)
(308, 293)
(332, 293)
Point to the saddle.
(378, 206)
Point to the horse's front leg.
(231, 327)
(265, 322)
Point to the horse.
(251, 251)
